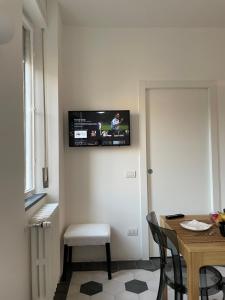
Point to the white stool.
(86, 235)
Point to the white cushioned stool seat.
(87, 234)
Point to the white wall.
(54, 111)
(14, 275)
(101, 70)
(61, 139)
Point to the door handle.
(150, 171)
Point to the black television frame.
(97, 111)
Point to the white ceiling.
(144, 13)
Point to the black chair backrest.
(166, 239)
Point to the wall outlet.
(131, 174)
(132, 232)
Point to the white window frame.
(28, 26)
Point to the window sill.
(32, 200)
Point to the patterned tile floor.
(133, 284)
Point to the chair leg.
(65, 259)
(178, 295)
(108, 259)
(162, 284)
(204, 291)
(204, 294)
(223, 289)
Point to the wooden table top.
(197, 240)
(199, 249)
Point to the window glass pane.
(28, 110)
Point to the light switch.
(131, 174)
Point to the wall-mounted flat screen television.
(99, 128)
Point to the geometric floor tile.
(148, 295)
(127, 296)
(102, 296)
(144, 275)
(155, 265)
(99, 276)
(123, 276)
(91, 288)
(136, 286)
(113, 287)
(137, 280)
(141, 285)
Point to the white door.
(178, 151)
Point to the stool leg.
(65, 257)
(108, 258)
(70, 257)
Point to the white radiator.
(45, 252)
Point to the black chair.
(173, 269)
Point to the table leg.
(193, 267)
(165, 294)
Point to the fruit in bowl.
(218, 217)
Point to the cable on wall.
(45, 168)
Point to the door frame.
(144, 87)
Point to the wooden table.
(198, 248)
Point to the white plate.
(195, 225)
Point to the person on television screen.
(93, 133)
(100, 127)
(116, 121)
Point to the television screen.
(99, 128)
